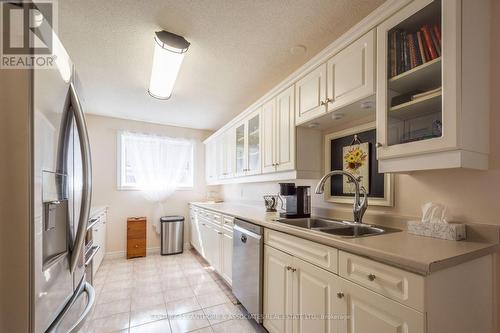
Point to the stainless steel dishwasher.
(248, 251)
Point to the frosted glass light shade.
(168, 55)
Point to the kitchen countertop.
(418, 254)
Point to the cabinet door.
(214, 247)
(368, 312)
(240, 151)
(253, 144)
(210, 162)
(425, 123)
(277, 290)
(314, 295)
(227, 255)
(195, 234)
(285, 130)
(269, 136)
(229, 153)
(311, 95)
(351, 73)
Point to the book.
(412, 52)
(417, 50)
(399, 52)
(428, 42)
(425, 93)
(394, 70)
(421, 47)
(406, 57)
(437, 31)
(436, 43)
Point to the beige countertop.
(418, 254)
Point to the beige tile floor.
(167, 294)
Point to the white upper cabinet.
(311, 95)
(285, 127)
(211, 161)
(253, 144)
(248, 145)
(269, 136)
(278, 149)
(351, 73)
(432, 113)
(225, 152)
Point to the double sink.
(338, 228)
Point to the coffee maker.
(298, 200)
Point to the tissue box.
(449, 231)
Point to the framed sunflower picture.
(354, 150)
(357, 162)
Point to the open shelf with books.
(414, 71)
(433, 96)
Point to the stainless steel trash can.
(172, 234)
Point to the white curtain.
(158, 165)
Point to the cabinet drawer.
(136, 230)
(317, 254)
(136, 248)
(227, 220)
(213, 217)
(399, 285)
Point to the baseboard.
(123, 254)
(150, 250)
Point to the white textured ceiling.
(239, 50)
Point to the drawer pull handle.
(371, 277)
(340, 295)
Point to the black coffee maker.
(298, 200)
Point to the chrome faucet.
(360, 207)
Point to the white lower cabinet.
(314, 298)
(99, 239)
(368, 312)
(227, 255)
(300, 297)
(277, 290)
(212, 236)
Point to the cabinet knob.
(322, 103)
(371, 277)
(379, 145)
(294, 269)
(340, 295)
(136, 246)
(288, 268)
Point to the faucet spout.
(359, 207)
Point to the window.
(150, 161)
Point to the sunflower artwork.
(356, 161)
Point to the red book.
(421, 47)
(428, 42)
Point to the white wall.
(123, 204)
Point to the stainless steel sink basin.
(312, 223)
(338, 228)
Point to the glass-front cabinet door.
(253, 149)
(413, 115)
(240, 156)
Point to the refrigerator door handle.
(86, 177)
(84, 287)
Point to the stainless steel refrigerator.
(57, 194)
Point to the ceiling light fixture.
(168, 55)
